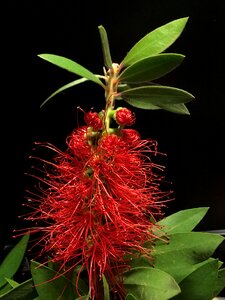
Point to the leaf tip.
(40, 55)
(185, 19)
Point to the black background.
(194, 144)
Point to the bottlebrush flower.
(96, 204)
(92, 119)
(124, 117)
(96, 201)
(130, 136)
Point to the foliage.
(185, 267)
(136, 75)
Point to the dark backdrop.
(194, 144)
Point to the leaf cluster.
(185, 267)
(146, 62)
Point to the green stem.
(111, 91)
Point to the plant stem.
(111, 91)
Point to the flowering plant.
(97, 211)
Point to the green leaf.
(147, 96)
(63, 88)
(156, 41)
(12, 261)
(5, 288)
(53, 265)
(123, 87)
(140, 261)
(105, 46)
(52, 285)
(150, 283)
(183, 251)
(130, 297)
(199, 284)
(82, 286)
(48, 286)
(220, 283)
(178, 108)
(183, 221)
(71, 66)
(12, 282)
(151, 68)
(24, 291)
(106, 288)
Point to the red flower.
(96, 203)
(78, 143)
(124, 117)
(131, 136)
(92, 119)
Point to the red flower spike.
(97, 203)
(92, 119)
(124, 117)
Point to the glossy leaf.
(156, 41)
(147, 96)
(49, 287)
(183, 220)
(82, 285)
(12, 261)
(150, 283)
(71, 66)
(151, 68)
(24, 291)
(12, 282)
(183, 251)
(63, 88)
(140, 261)
(5, 288)
(106, 289)
(179, 108)
(199, 284)
(220, 282)
(130, 297)
(53, 265)
(122, 87)
(105, 46)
